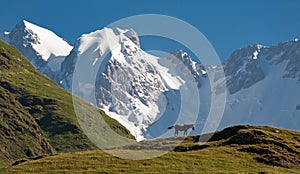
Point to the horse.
(182, 127)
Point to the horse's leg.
(186, 131)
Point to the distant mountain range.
(144, 92)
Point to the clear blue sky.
(227, 24)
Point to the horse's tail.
(170, 127)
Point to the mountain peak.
(28, 24)
(42, 47)
(23, 24)
(107, 32)
(43, 41)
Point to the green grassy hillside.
(37, 116)
(238, 149)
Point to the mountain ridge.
(260, 82)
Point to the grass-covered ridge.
(238, 149)
(36, 115)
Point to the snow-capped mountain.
(264, 86)
(42, 47)
(147, 93)
(131, 84)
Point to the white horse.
(182, 127)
